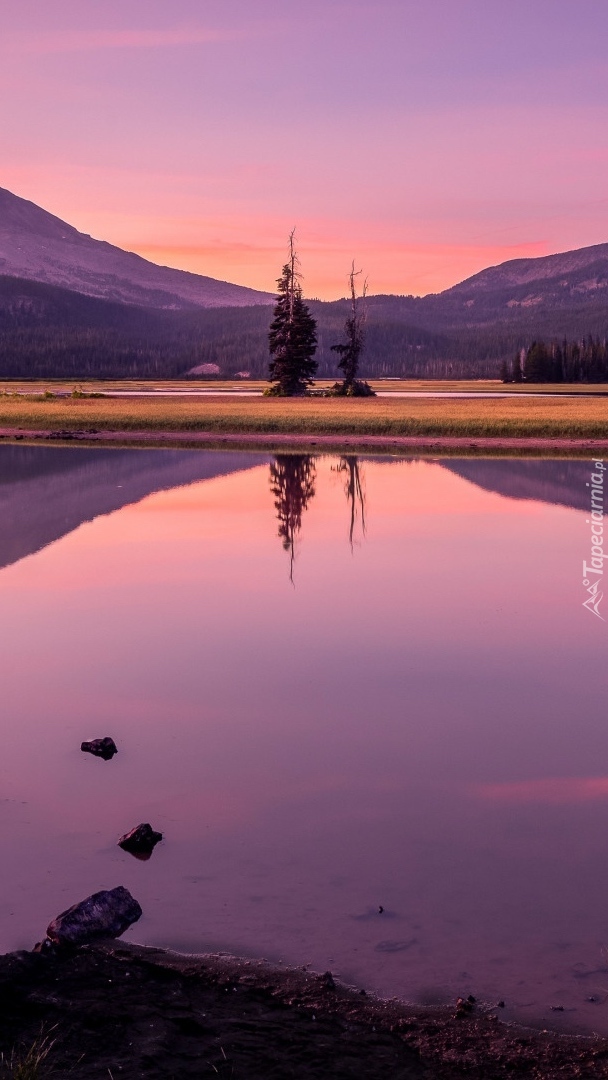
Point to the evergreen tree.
(517, 371)
(505, 372)
(538, 363)
(292, 337)
(558, 364)
(351, 349)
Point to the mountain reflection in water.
(559, 482)
(47, 492)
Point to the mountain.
(38, 246)
(567, 265)
(47, 492)
(76, 308)
(513, 292)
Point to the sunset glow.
(426, 142)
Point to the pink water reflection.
(550, 790)
(416, 723)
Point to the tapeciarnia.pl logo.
(593, 571)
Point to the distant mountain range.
(37, 246)
(515, 290)
(73, 306)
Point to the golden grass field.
(584, 417)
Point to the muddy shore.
(585, 447)
(119, 1010)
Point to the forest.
(47, 331)
(583, 361)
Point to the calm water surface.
(335, 684)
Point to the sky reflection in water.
(414, 719)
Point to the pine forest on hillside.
(47, 331)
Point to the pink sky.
(426, 140)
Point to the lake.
(337, 685)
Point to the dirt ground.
(419, 444)
(123, 1011)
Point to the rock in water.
(141, 841)
(104, 748)
(105, 914)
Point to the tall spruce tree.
(538, 363)
(292, 337)
(351, 349)
(506, 374)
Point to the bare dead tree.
(295, 275)
(351, 349)
(355, 493)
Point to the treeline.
(46, 331)
(168, 344)
(583, 361)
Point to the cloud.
(90, 40)
(556, 790)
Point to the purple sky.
(425, 139)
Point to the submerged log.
(140, 841)
(105, 914)
(104, 748)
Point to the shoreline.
(557, 445)
(123, 1009)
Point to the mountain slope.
(519, 292)
(40, 247)
(515, 272)
(74, 307)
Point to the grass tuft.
(224, 1067)
(28, 1063)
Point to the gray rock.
(105, 914)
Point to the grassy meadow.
(567, 417)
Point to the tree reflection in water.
(292, 482)
(355, 493)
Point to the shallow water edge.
(147, 1012)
